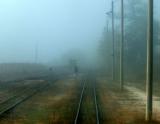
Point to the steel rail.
(81, 100)
(80, 103)
(96, 104)
(14, 101)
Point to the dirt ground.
(56, 105)
(119, 107)
(8, 90)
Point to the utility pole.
(121, 45)
(113, 54)
(158, 54)
(36, 52)
(107, 26)
(149, 73)
(108, 14)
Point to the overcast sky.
(56, 25)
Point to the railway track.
(15, 100)
(81, 100)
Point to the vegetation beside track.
(119, 107)
(55, 105)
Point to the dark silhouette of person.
(76, 69)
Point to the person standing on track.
(76, 70)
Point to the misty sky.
(57, 26)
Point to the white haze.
(57, 26)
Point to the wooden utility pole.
(149, 69)
(36, 52)
(113, 54)
(121, 45)
(107, 26)
(158, 53)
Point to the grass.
(119, 107)
(56, 105)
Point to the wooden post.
(107, 26)
(113, 54)
(36, 52)
(149, 69)
(121, 45)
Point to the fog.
(49, 28)
(79, 61)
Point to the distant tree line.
(135, 19)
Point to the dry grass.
(58, 104)
(9, 90)
(120, 107)
(53, 106)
